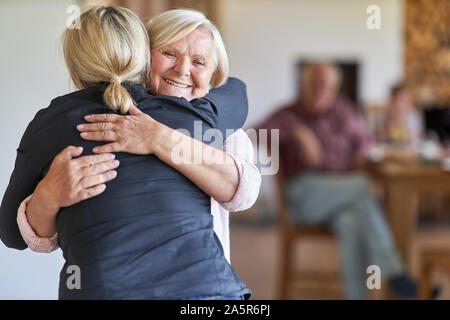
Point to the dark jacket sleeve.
(230, 103)
(22, 183)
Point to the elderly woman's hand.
(67, 182)
(136, 133)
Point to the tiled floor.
(254, 256)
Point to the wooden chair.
(431, 259)
(289, 234)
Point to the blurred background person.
(403, 124)
(323, 144)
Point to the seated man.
(323, 142)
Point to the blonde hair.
(112, 46)
(171, 26)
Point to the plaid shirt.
(341, 132)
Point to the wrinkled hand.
(309, 145)
(136, 133)
(70, 180)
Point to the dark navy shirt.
(150, 234)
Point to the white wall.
(33, 72)
(265, 39)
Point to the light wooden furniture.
(431, 259)
(402, 183)
(289, 235)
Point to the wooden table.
(403, 182)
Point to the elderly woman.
(186, 58)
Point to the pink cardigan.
(238, 146)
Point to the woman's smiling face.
(184, 68)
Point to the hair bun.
(116, 79)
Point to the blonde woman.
(149, 234)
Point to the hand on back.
(71, 179)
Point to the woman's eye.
(169, 54)
(200, 63)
